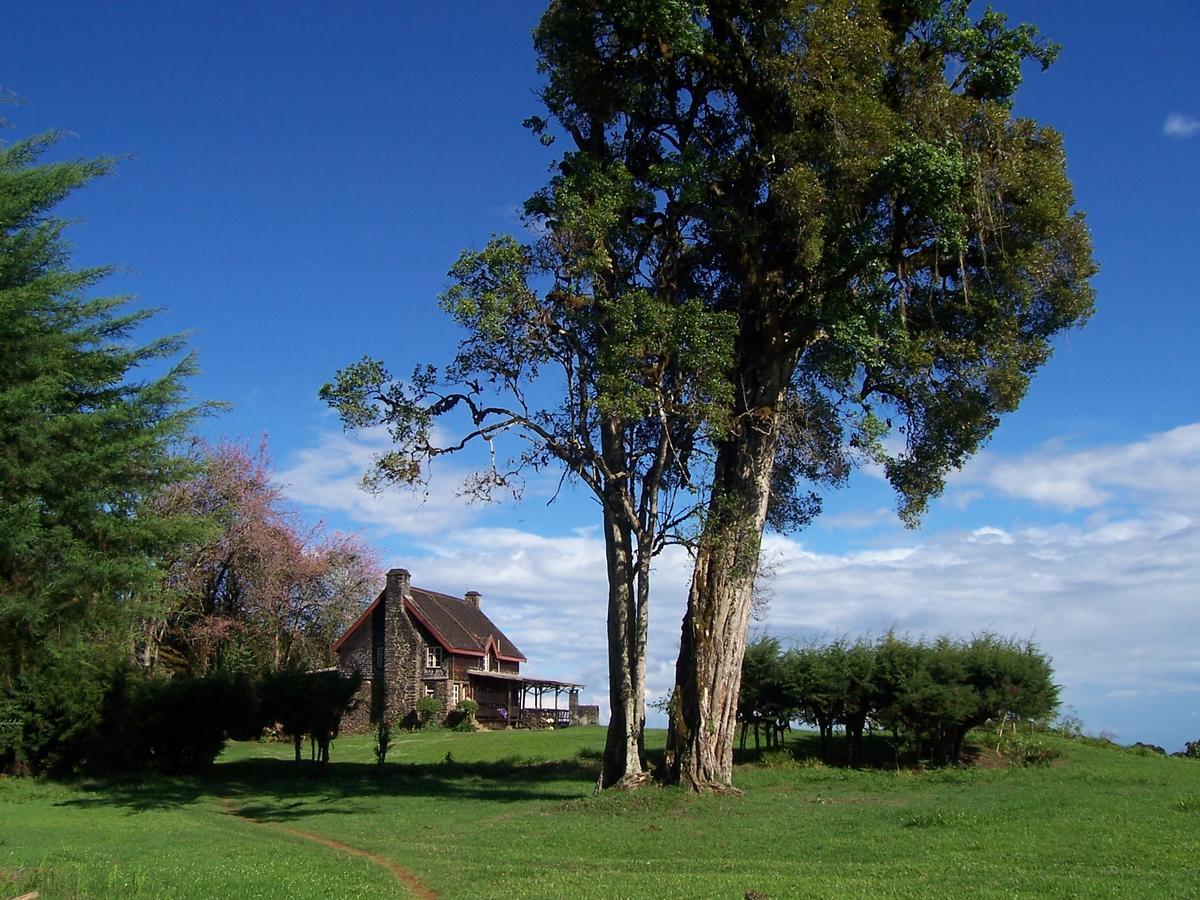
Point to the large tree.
(88, 423)
(896, 246)
(584, 349)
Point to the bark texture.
(708, 673)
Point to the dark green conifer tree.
(89, 419)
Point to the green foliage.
(309, 703)
(88, 420)
(172, 725)
(467, 707)
(1026, 747)
(463, 716)
(428, 711)
(928, 695)
(855, 190)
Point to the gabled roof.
(457, 625)
(460, 626)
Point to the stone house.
(420, 643)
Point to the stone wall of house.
(355, 655)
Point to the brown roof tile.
(460, 625)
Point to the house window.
(433, 657)
(455, 693)
(428, 690)
(484, 664)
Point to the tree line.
(925, 696)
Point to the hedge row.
(925, 695)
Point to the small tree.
(383, 742)
(260, 589)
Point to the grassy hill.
(512, 814)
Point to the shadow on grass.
(878, 751)
(281, 790)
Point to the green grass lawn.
(512, 814)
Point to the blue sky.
(300, 177)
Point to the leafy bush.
(777, 759)
(468, 708)
(428, 709)
(174, 725)
(463, 717)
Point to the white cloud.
(1181, 125)
(1162, 466)
(328, 477)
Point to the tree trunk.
(622, 754)
(713, 640)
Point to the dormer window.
(433, 657)
(485, 663)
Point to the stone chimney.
(398, 582)
(473, 597)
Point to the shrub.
(428, 709)
(1022, 749)
(175, 725)
(928, 695)
(463, 717)
(468, 708)
(777, 759)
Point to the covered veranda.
(523, 701)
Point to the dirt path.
(405, 877)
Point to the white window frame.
(429, 690)
(484, 663)
(433, 657)
(455, 693)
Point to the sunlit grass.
(513, 814)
